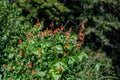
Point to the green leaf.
(41, 74)
(74, 36)
(59, 47)
(97, 66)
(80, 57)
(0, 77)
(71, 61)
(70, 47)
(56, 77)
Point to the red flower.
(62, 27)
(81, 36)
(81, 32)
(43, 34)
(52, 25)
(33, 72)
(57, 31)
(67, 35)
(20, 41)
(77, 45)
(48, 31)
(38, 23)
(10, 79)
(29, 65)
(10, 69)
(4, 66)
(30, 35)
(64, 54)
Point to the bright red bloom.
(48, 31)
(30, 35)
(38, 23)
(29, 65)
(81, 32)
(81, 36)
(57, 31)
(43, 34)
(77, 45)
(20, 41)
(64, 54)
(33, 72)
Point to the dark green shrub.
(51, 10)
(100, 16)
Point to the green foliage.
(28, 51)
(50, 10)
(99, 16)
(12, 27)
(43, 55)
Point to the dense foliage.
(55, 54)
(34, 35)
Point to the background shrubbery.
(18, 23)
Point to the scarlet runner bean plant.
(55, 55)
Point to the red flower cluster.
(57, 31)
(64, 54)
(49, 31)
(20, 41)
(77, 45)
(43, 34)
(33, 72)
(29, 65)
(30, 35)
(81, 35)
(38, 23)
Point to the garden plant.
(59, 40)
